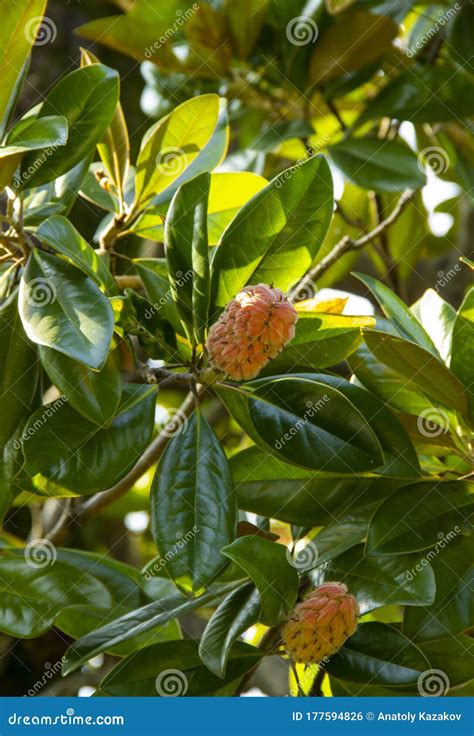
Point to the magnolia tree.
(309, 493)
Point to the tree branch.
(152, 454)
(347, 244)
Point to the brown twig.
(347, 244)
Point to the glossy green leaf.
(236, 614)
(462, 357)
(413, 518)
(452, 655)
(136, 622)
(266, 563)
(174, 668)
(94, 394)
(354, 40)
(320, 340)
(35, 589)
(11, 459)
(379, 581)
(398, 313)
(382, 166)
(380, 654)
(452, 612)
(410, 96)
(61, 307)
(18, 370)
(437, 318)
(66, 454)
(420, 368)
(275, 237)
(193, 499)
(62, 236)
(306, 422)
(20, 24)
(187, 252)
(87, 98)
(173, 143)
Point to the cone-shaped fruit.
(253, 329)
(320, 624)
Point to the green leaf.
(236, 614)
(353, 41)
(381, 655)
(11, 459)
(275, 237)
(114, 149)
(245, 19)
(398, 313)
(88, 458)
(62, 236)
(419, 367)
(35, 589)
(437, 318)
(320, 340)
(20, 23)
(410, 96)
(187, 252)
(18, 370)
(94, 394)
(414, 517)
(459, 37)
(266, 563)
(379, 581)
(453, 656)
(87, 98)
(63, 309)
(174, 668)
(462, 357)
(154, 274)
(306, 422)
(192, 500)
(382, 166)
(173, 143)
(137, 622)
(453, 608)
